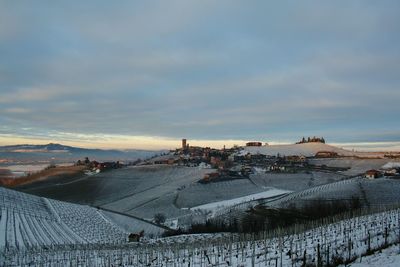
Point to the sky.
(144, 74)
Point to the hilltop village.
(238, 163)
(93, 167)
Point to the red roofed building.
(372, 174)
(254, 144)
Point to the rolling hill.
(305, 149)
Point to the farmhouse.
(295, 159)
(210, 176)
(372, 174)
(392, 172)
(254, 144)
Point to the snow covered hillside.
(323, 243)
(377, 192)
(389, 257)
(29, 221)
(306, 149)
(235, 201)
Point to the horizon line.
(156, 144)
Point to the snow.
(239, 200)
(391, 165)
(371, 192)
(357, 166)
(132, 225)
(204, 165)
(3, 225)
(173, 224)
(54, 233)
(389, 257)
(345, 239)
(306, 149)
(294, 181)
(28, 220)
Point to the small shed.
(135, 237)
(372, 174)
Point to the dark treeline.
(262, 218)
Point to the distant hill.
(304, 149)
(61, 153)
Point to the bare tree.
(159, 218)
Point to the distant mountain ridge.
(62, 153)
(47, 147)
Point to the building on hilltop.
(253, 144)
(184, 144)
(312, 140)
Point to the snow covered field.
(28, 222)
(307, 150)
(122, 190)
(198, 194)
(295, 181)
(376, 192)
(54, 233)
(144, 191)
(232, 202)
(389, 257)
(324, 242)
(357, 166)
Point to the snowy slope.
(389, 257)
(391, 165)
(307, 150)
(29, 221)
(235, 201)
(371, 192)
(318, 244)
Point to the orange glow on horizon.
(123, 142)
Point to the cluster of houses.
(232, 163)
(272, 163)
(390, 170)
(96, 167)
(392, 155)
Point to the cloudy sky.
(143, 74)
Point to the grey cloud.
(216, 69)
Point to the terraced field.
(371, 192)
(34, 221)
(29, 221)
(198, 194)
(144, 191)
(320, 244)
(124, 190)
(357, 166)
(295, 181)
